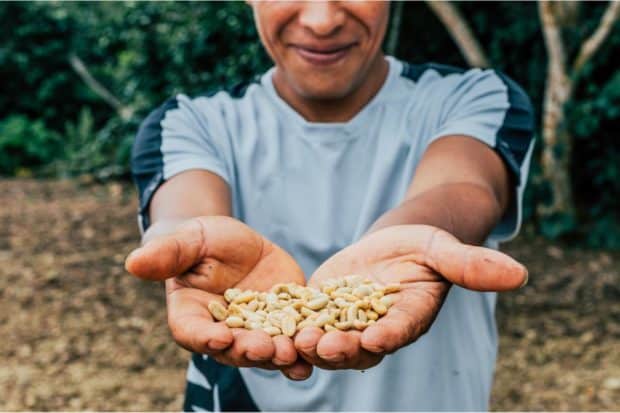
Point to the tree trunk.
(82, 71)
(557, 142)
(460, 31)
(557, 147)
(591, 45)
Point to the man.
(338, 160)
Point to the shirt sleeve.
(176, 137)
(489, 106)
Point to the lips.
(323, 56)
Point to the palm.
(384, 258)
(237, 256)
(199, 261)
(422, 289)
(424, 261)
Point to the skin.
(299, 37)
(328, 66)
(200, 251)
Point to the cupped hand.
(199, 260)
(425, 261)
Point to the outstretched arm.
(200, 251)
(461, 186)
(460, 191)
(190, 194)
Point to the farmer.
(338, 160)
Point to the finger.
(225, 248)
(409, 318)
(474, 268)
(388, 335)
(222, 358)
(201, 336)
(471, 267)
(338, 346)
(306, 341)
(191, 323)
(300, 370)
(250, 347)
(343, 350)
(285, 353)
(168, 256)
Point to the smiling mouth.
(323, 57)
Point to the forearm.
(467, 211)
(188, 195)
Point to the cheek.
(373, 16)
(272, 20)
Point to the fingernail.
(306, 349)
(255, 357)
(278, 362)
(527, 277)
(295, 376)
(216, 345)
(128, 259)
(132, 253)
(335, 358)
(373, 348)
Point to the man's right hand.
(199, 260)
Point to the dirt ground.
(77, 332)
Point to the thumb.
(471, 267)
(169, 255)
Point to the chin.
(327, 91)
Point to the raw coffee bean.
(288, 326)
(378, 307)
(343, 325)
(339, 304)
(387, 301)
(318, 303)
(217, 310)
(244, 297)
(391, 288)
(234, 322)
(371, 315)
(231, 293)
(272, 330)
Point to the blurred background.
(77, 79)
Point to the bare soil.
(77, 332)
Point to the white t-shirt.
(315, 188)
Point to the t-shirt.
(315, 188)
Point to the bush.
(25, 143)
(144, 52)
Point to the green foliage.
(25, 143)
(143, 52)
(510, 34)
(593, 119)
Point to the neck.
(337, 109)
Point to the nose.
(322, 18)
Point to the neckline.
(350, 127)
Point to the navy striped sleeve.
(217, 388)
(147, 164)
(181, 135)
(516, 135)
(484, 104)
(489, 106)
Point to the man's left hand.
(425, 261)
